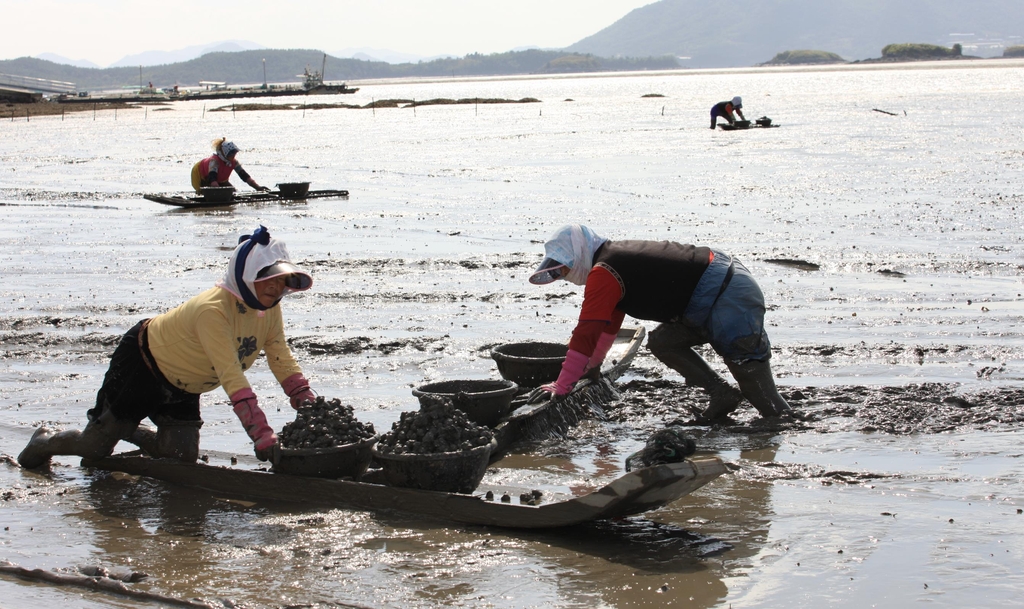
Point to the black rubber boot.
(724, 397)
(758, 386)
(96, 441)
(172, 440)
(179, 442)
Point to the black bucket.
(458, 472)
(347, 461)
(530, 364)
(217, 194)
(485, 402)
(293, 190)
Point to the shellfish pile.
(437, 427)
(324, 424)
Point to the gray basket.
(347, 461)
(530, 364)
(484, 401)
(458, 472)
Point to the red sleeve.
(599, 313)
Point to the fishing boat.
(632, 493)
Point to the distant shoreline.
(987, 62)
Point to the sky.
(104, 31)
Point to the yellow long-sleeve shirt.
(213, 338)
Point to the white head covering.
(572, 247)
(226, 149)
(259, 256)
(737, 102)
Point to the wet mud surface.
(891, 263)
(928, 408)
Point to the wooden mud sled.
(226, 196)
(632, 493)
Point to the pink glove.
(572, 369)
(297, 388)
(253, 419)
(604, 344)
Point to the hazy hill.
(156, 58)
(78, 63)
(246, 67)
(748, 32)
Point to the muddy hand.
(540, 394)
(271, 453)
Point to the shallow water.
(904, 344)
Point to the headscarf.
(225, 150)
(737, 102)
(573, 246)
(255, 254)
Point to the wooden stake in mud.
(204, 110)
(93, 110)
(373, 106)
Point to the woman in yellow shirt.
(163, 364)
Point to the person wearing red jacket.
(698, 294)
(215, 170)
(162, 365)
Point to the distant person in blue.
(725, 110)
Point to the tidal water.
(882, 219)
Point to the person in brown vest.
(700, 295)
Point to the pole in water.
(204, 110)
(373, 106)
(663, 110)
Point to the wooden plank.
(632, 493)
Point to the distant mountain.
(159, 58)
(78, 63)
(246, 67)
(748, 32)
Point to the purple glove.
(604, 344)
(253, 420)
(572, 369)
(297, 388)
